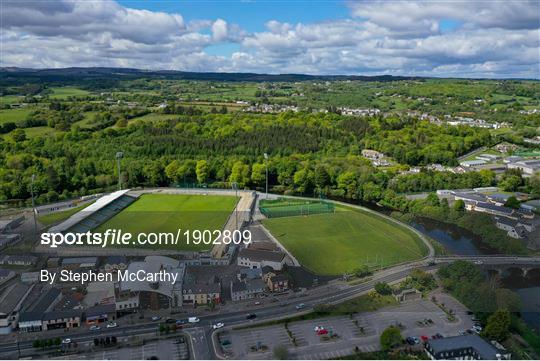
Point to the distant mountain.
(74, 74)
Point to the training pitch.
(168, 213)
(338, 243)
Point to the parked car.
(66, 341)
(257, 303)
(180, 322)
(251, 316)
(112, 325)
(156, 318)
(424, 338)
(193, 319)
(300, 306)
(410, 340)
(218, 325)
(170, 320)
(318, 328)
(416, 340)
(95, 328)
(322, 332)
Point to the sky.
(441, 38)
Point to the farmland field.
(338, 243)
(14, 115)
(168, 213)
(64, 92)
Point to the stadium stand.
(95, 214)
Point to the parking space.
(343, 334)
(169, 349)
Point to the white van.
(193, 320)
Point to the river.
(460, 241)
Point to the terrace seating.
(100, 216)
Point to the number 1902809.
(217, 237)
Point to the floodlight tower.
(119, 156)
(33, 204)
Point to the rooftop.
(86, 212)
(260, 255)
(482, 347)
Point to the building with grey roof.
(247, 289)
(11, 302)
(254, 258)
(466, 347)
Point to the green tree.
(239, 173)
(258, 174)
(18, 135)
(201, 171)
(512, 202)
(459, 206)
(383, 288)
(498, 325)
(390, 338)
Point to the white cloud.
(492, 39)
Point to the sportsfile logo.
(117, 237)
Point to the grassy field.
(14, 115)
(67, 91)
(168, 213)
(57, 217)
(338, 243)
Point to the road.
(229, 318)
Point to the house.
(466, 347)
(100, 313)
(259, 258)
(498, 199)
(18, 260)
(248, 289)
(372, 154)
(472, 163)
(528, 167)
(54, 320)
(472, 198)
(249, 274)
(513, 228)
(201, 293)
(489, 208)
(201, 286)
(31, 318)
(79, 262)
(9, 239)
(278, 282)
(525, 212)
(115, 263)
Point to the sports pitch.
(168, 213)
(340, 242)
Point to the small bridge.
(498, 263)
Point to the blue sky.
(444, 38)
(250, 15)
